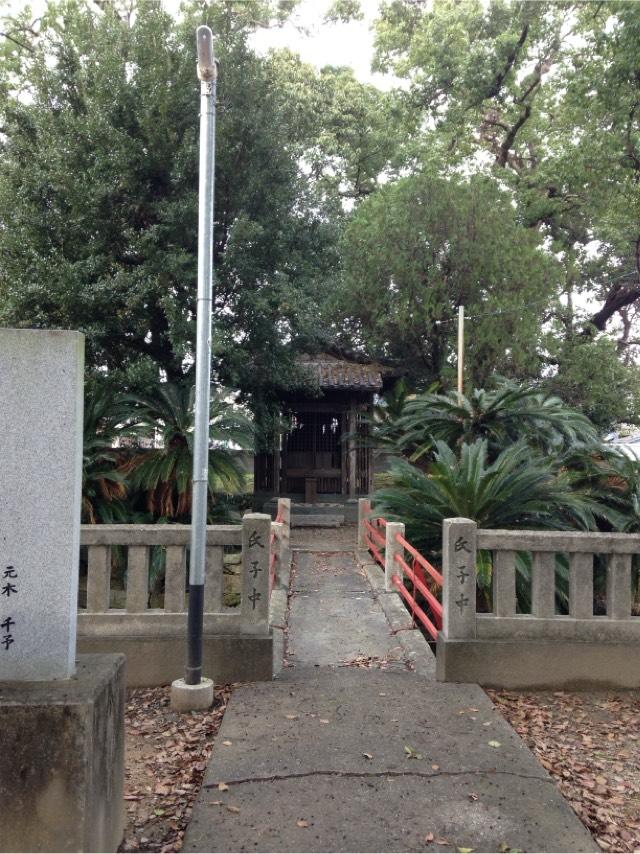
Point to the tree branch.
(17, 42)
(617, 299)
(500, 78)
(503, 154)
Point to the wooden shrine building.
(324, 454)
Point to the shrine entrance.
(323, 453)
(312, 454)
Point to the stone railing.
(237, 640)
(542, 647)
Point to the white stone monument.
(61, 717)
(41, 404)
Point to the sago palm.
(107, 416)
(503, 416)
(165, 473)
(519, 489)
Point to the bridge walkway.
(355, 747)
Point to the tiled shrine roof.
(333, 373)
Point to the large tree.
(98, 188)
(424, 245)
(548, 93)
(542, 97)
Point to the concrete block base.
(571, 665)
(62, 760)
(159, 659)
(191, 698)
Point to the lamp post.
(195, 692)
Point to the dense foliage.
(540, 101)
(98, 187)
(500, 174)
(508, 458)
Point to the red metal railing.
(417, 573)
(375, 539)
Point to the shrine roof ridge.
(331, 372)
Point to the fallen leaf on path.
(234, 809)
(302, 823)
(429, 837)
(367, 756)
(292, 717)
(227, 743)
(323, 720)
(222, 787)
(494, 744)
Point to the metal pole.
(207, 74)
(460, 350)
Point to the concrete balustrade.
(237, 640)
(542, 648)
(364, 510)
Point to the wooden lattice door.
(312, 448)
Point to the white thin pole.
(460, 350)
(207, 74)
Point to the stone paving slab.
(285, 764)
(325, 540)
(302, 520)
(329, 574)
(383, 814)
(334, 616)
(314, 641)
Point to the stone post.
(256, 537)
(543, 584)
(619, 587)
(459, 572)
(364, 506)
(392, 548)
(284, 510)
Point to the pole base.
(191, 698)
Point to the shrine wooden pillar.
(276, 463)
(352, 453)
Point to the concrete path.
(352, 749)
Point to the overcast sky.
(328, 44)
(318, 43)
